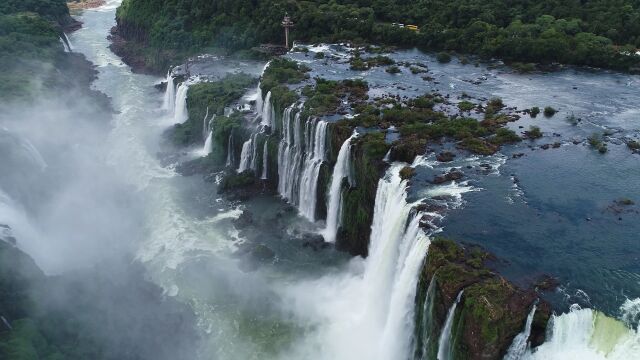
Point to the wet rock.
(407, 172)
(450, 176)
(491, 312)
(445, 156)
(547, 283)
(245, 219)
(517, 156)
(315, 242)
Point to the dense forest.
(602, 33)
(31, 53)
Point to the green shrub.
(466, 105)
(443, 57)
(534, 111)
(549, 111)
(393, 70)
(534, 132)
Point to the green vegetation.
(393, 70)
(213, 96)
(633, 145)
(443, 57)
(237, 181)
(534, 111)
(549, 111)
(505, 136)
(466, 105)
(601, 33)
(534, 132)
(596, 142)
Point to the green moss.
(596, 142)
(466, 106)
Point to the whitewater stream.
(308, 304)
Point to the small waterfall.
(267, 111)
(340, 171)
(259, 101)
(254, 153)
(205, 125)
(316, 138)
(180, 111)
(265, 159)
(426, 322)
(231, 158)
(68, 48)
(169, 101)
(444, 345)
(521, 342)
(245, 155)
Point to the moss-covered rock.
(358, 201)
(491, 312)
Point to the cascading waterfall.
(180, 110)
(254, 153)
(444, 345)
(396, 252)
(316, 135)
(521, 342)
(205, 125)
(267, 111)
(265, 159)
(426, 321)
(259, 101)
(245, 155)
(586, 334)
(290, 155)
(169, 101)
(340, 171)
(231, 159)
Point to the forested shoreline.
(599, 33)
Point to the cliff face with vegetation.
(491, 312)
(601, 33)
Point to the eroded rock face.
(491, 312)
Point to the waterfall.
(259, 101)
(586, 334)
(180, 112)
(340, 171)
(265, 159)
(169, 101)
(396, 253)
(426, 322)
(444, 345)
(316, 137)
(521, 341)
(254, 153)
(68, 48)
(245, 155)
(205, 125)
(267, 111)
(289, 155)
(231, 159)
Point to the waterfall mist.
(69, 205)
